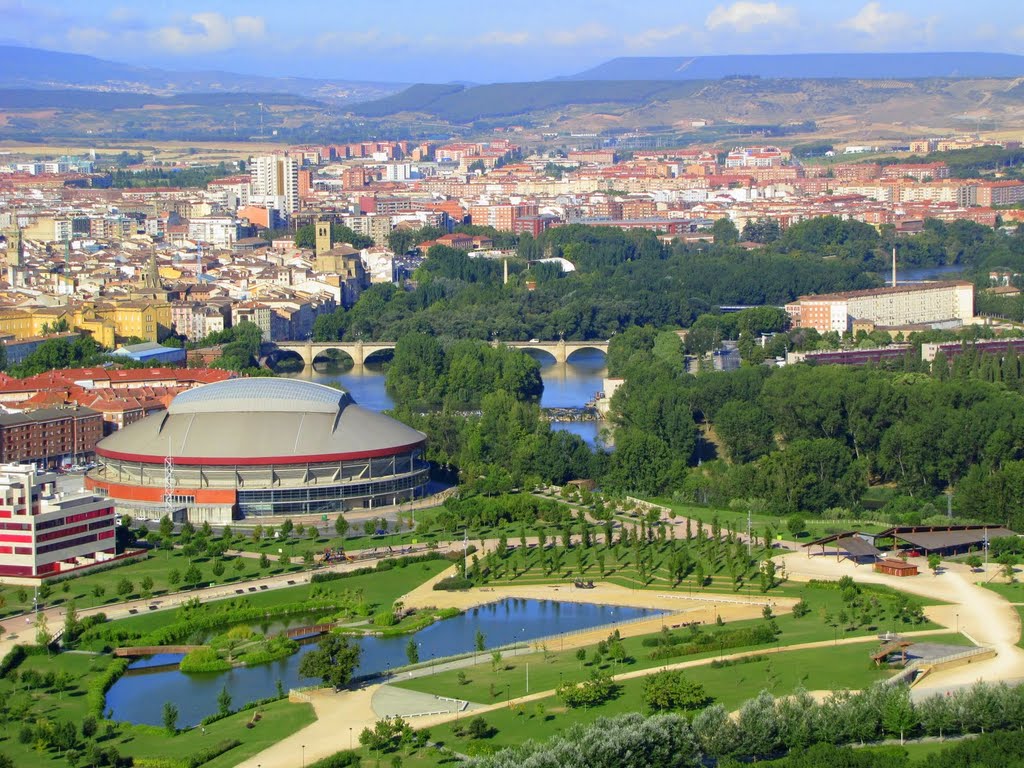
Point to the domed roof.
(261, 394)
(261, 421)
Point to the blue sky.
(488, 40)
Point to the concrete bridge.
(361, 351)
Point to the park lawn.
(157, 566)
(834, 668)
(279, 720)
(814, 528)
(563, 666)
(69, 705)
(380, 588)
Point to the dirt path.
(982, 615)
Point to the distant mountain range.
(873, 66)
(34, 68)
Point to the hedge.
(453, 583)
(736, 638)
(204, 756)
(96, 693)
(338, 760)
(387, 564)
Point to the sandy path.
(982, 615)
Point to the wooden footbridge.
(153, 650)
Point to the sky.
(490, 40)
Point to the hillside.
(808, 65)
(42, 69)
(897, 105)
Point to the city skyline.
(514, 42)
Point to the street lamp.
(508, 688)
(958, 623)
(349, 739)
(303, 756)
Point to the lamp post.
(349, 738)
(958, 623)
(303, 756)
(508, 689)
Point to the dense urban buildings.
(249, 448)
(44, 532)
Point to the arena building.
(257, 447)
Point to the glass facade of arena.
(286, 489)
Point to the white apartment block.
(274, 180)
(911, 304)
(219, 231)
(42, 532)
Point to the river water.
(566, 385)
(139, 696)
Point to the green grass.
(157, 566)
(378, 588)
(813, 529)
(562, 665)
(832, 668)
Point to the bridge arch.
(285, 361)
(573, 349)
(541, 355)
(377, 354)
(335, 356)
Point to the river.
(139, 696)
(566, 385)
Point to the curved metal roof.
(261, 394)
(260, 421)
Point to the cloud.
(872, 21)
(588, 33)
(744, 16)
(649, 38)
(498, 37)
(209, 31)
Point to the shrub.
(338, 760)
(203, 660)
(207, 754)
(385, 619)
(452, 583)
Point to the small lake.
(139, 696)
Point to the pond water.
(139, 696)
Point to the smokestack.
(894, 266)
(504, 267)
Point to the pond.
(139, 696)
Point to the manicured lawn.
(813, 529)
(486, 685)
(68, 704)
(832, 668)
(278, 720)
(379, 588)
(158, 566)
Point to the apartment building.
(274, 181)
(49, 437)
(914, 303)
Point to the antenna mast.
(169, 482)
(894, 266)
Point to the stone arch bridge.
(361, 351)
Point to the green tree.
(341, 526)
(333, 661)
(170, 718)
(224, 701)
(412, 651)
(672, 690)
(193, 575)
